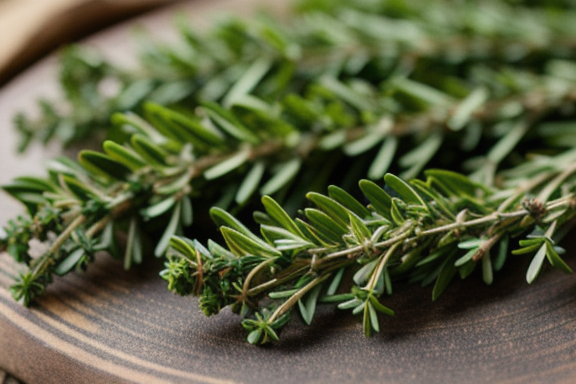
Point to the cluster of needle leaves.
(424, 231)
(336, 93)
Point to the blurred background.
(33, 28)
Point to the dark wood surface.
(111, 326)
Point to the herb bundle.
(264, 108)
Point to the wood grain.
(36, 27)
(111, 326)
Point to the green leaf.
(159, 208)
(364, 144)
(315, 236)
(282, 239)
(515, 132)
(555, 259)
(326, 224)
(528, 249)
(452, 183)
(466, 269)
(227, 122)
(282, 294)
(187, 211)
(423, 92)
(175, 186)
(78, 189)
(426, 190)
(65, 166)
(228, 165)
(379, 307)
(250, 183)
(487, 274)
(536, 264)
(466, 258)
(404, 190)
(396, 213)
(464, 111)
(242, 245)
(183, 246)
(123, 155)
(308, 308)
(254, 336)
(335, 283)
(438, 253)
(280, 216)
(223, 218)
(380, 200)
(383, 159)
(69, 262)
(446, 274)
(502, 253)
(219, 251)
(470, 244)
(419, 156)
(332, 140)
(283, 174)
(366, 320)
(133, 252)
(103, 165)
(530, 241)
(356, 99)
(142, 126)
(251, 77)
(387, 280)
(331, 207)
(151, 152)
(359, 229)
(373, 317)
(169, 231)
(182, 128)
(29, 184)
(348, 201)
(362, 276)
(353, 303)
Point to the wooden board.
(48, 24)
(111, 326)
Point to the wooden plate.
(111, 326)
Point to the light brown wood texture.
(32, 28)
(111, 326)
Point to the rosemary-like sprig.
(360, 40)
(425, 231)
(284, 114)
(171, 157)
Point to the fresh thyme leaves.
(170, 157)
(265, 108)
(354, 40)
(424, 231)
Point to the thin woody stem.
(297, 296)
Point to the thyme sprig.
(359, 40)
(267, 108)
(277, 118)
(424, 231)
(171, 157)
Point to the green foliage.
(341, 45)
(445, 228)
(262, 107)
